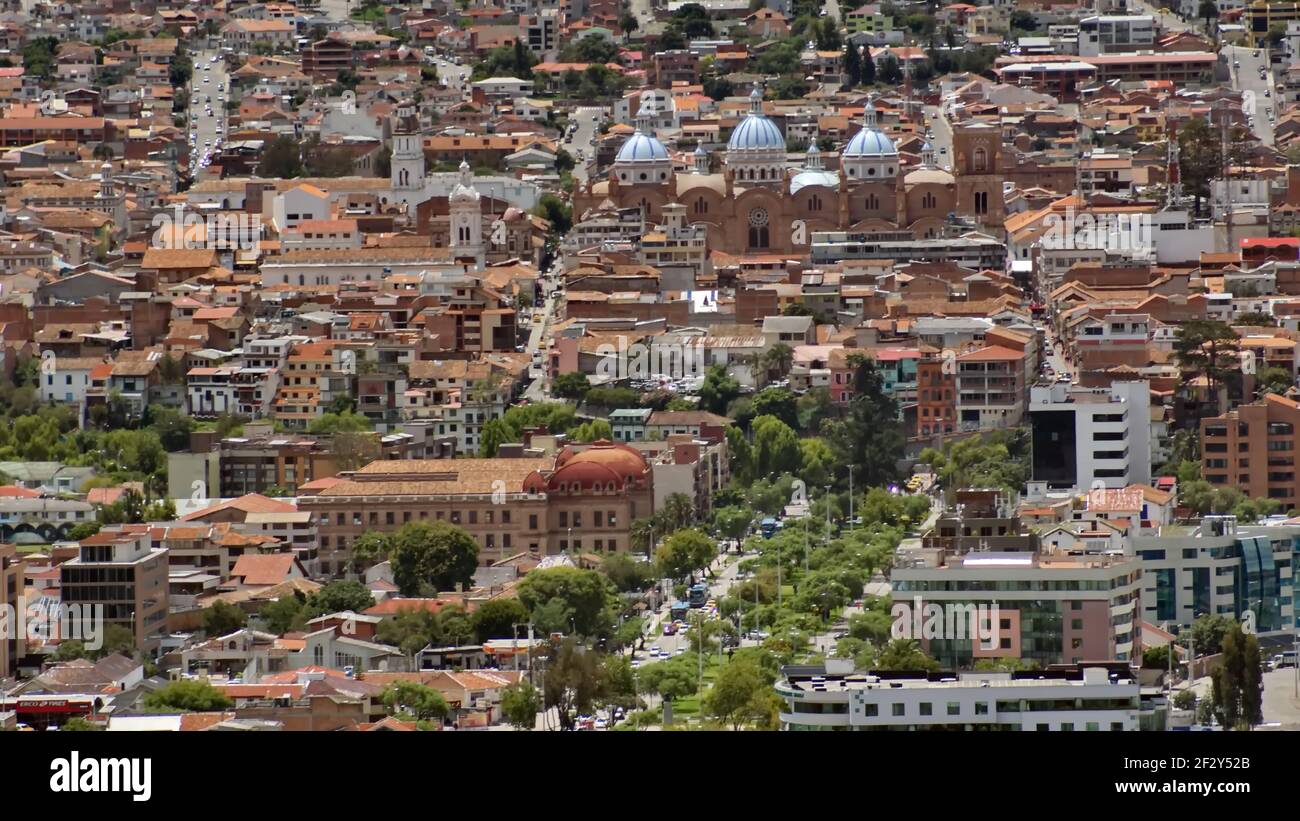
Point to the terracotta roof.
(263, 570)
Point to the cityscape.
(647, 366)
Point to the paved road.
(643, 11)
(540, 335)
(209, 88)
(1280, 703)
(579, 144)
(1168, 22)
(452, 75)
(1245, 65)
(940, 136)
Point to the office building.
(120, 570)
(1085, 436)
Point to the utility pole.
(851, 497)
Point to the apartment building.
(990, 388)
(936, 394)
(1253, 448)
(1219, 567)
(1107, 34)
(832, 696)
(1089, 436)
(119, 569)
(1051, 608)
(13, 645)
(578, 500)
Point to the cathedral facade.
(757, 205)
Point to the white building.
(1107, 34)
(834, 697)
(1087, 435)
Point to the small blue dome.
(756, 133)
(869, 143)
(642, 147)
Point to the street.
(579, 144)
(941, 136)
(207, 114)
(1245, 66)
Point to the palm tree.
(678, 511)
(779, 358)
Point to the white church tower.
(466, 218)
(407, 167)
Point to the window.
(981, 708)
(927, 709)
(899, 710)
(954, 708)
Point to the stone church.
(754, 206)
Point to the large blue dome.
(642, 147)
(870, 143)
(756, 133)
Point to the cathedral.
(758, 205)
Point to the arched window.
(814, 203)
(927, 201)
(981, 160)
(758, 237)
(873, 202)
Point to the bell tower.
(977, 166)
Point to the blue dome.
(805, 178)
(869, 143)
(756, 133)
(642, 147)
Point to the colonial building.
(580, 500)
(756, 204)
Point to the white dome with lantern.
(870, 155)
(643, 158)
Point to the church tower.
(407, 165)
(466, 218)
(977, 166)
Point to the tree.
(593, 431)
(572, 385)
(718, 390)
(187, 696)
(670, 680)
(576, 600)
(556, 212)
(776, 446)
(222, 619)
(415, 699)
(282, 159)
(1274, 380)
(870, 437)
(493, 435)
(868, 68)
(627, 23)
(284, 614)
(79, 724)
(811, 408)
(1023, 21)
(1209, 348)
(330, 424)
(890, 72)
(341, 596)
(778, 402)
(678, 511)
(684, 552)
(627, 574)
(370, 548)
(519, 705)
(733, 521)
(574, 677)
(496, 619)
(905, 654)
(428, 557)
(1207, 633)
(732, 694)
(1199, 157)
(852, 67)
(1208, 10)
(1238, 685)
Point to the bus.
(769, 527)
(699, 594)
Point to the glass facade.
(1258, 587)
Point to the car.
(207, 79)
(600, 724)
(1236, 64)
(679, 651)
(1268, 93)
(221, 86)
